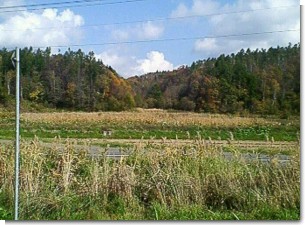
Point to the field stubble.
(144, 117)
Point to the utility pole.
(17, 61)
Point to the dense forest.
(72, 80)
(260, 81)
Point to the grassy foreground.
(162, 184)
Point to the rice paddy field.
(177, 166)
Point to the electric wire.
(167, 39)
(156, 19)
(47, 4)
(100, 2)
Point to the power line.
(61, 5)
(161, 19)
(46, 4)
(168, 39)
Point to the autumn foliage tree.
(72, 80)
(260, 81)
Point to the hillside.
(260, 81)
(73, 81)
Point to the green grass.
(4, 214)
(279, 133)
(197, 212)
(118, 209)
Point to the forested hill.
(260, 81)
(73, 80)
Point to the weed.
(193, 181)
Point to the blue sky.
(194, 20)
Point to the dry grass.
(156, 117)
(60, 185)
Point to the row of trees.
(260, 81)
(73, 80)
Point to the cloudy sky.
(140, 36)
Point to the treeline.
(260, 81)
(73, 80)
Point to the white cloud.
(119, 58)
(120, 35)
(47, 28)
(108, 58)
(181, 10)
(150, 31)
(127, 65)
(155, 61)
(199, 7)
(147, 30)
(206, 44)
(280, 18)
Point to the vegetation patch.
(148, 125)
(166, 183)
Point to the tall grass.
(154, 182)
